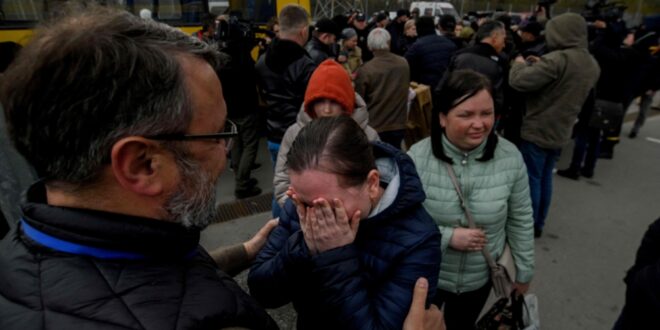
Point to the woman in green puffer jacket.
(493, 179)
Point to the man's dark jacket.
(364, 285)
(484, 59)
(66, 268)
(283, 73)
(397, 38)
(428, 58)
(319, 51)
(616, 65)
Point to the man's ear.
(140, 165)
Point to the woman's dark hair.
(455, 88)
(335, 145)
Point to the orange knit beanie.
(330, 81)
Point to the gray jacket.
(281, 180)
(557, 85)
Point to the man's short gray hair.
(379, 39)
(91, 78)
(292, 18)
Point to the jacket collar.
(459, 155)
(483, 49)
(410, 192)
(103, 234)
(282, 53)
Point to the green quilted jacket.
(497, 194)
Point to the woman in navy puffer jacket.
(339, 277)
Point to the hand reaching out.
(257, 241)
(420, 318)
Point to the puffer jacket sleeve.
(530, 78)
(520, 224)
(282, 264)
(344, 287)
(281, 180)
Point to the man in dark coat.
(447, 26)
(484, 57)
(429, 56)
(124, 120)
(395, 28)
(323, 43)
(283, 72)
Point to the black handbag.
(506, 313)
(606, 115)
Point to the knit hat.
(348, 33)
(330, 81)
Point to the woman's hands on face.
(331, 224)
(468, 239)
(325, 225)
(305, 225)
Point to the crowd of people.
(128, 124)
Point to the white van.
(434, 8)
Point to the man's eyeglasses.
(226, 135)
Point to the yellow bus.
(18, 17)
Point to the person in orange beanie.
(329, 94)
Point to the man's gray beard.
(193, 204)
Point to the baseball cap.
(360, 17)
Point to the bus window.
(169, 9)
(21, 10)
(428, 11)
(192, 11)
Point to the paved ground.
(592, 233)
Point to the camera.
(601, 10)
